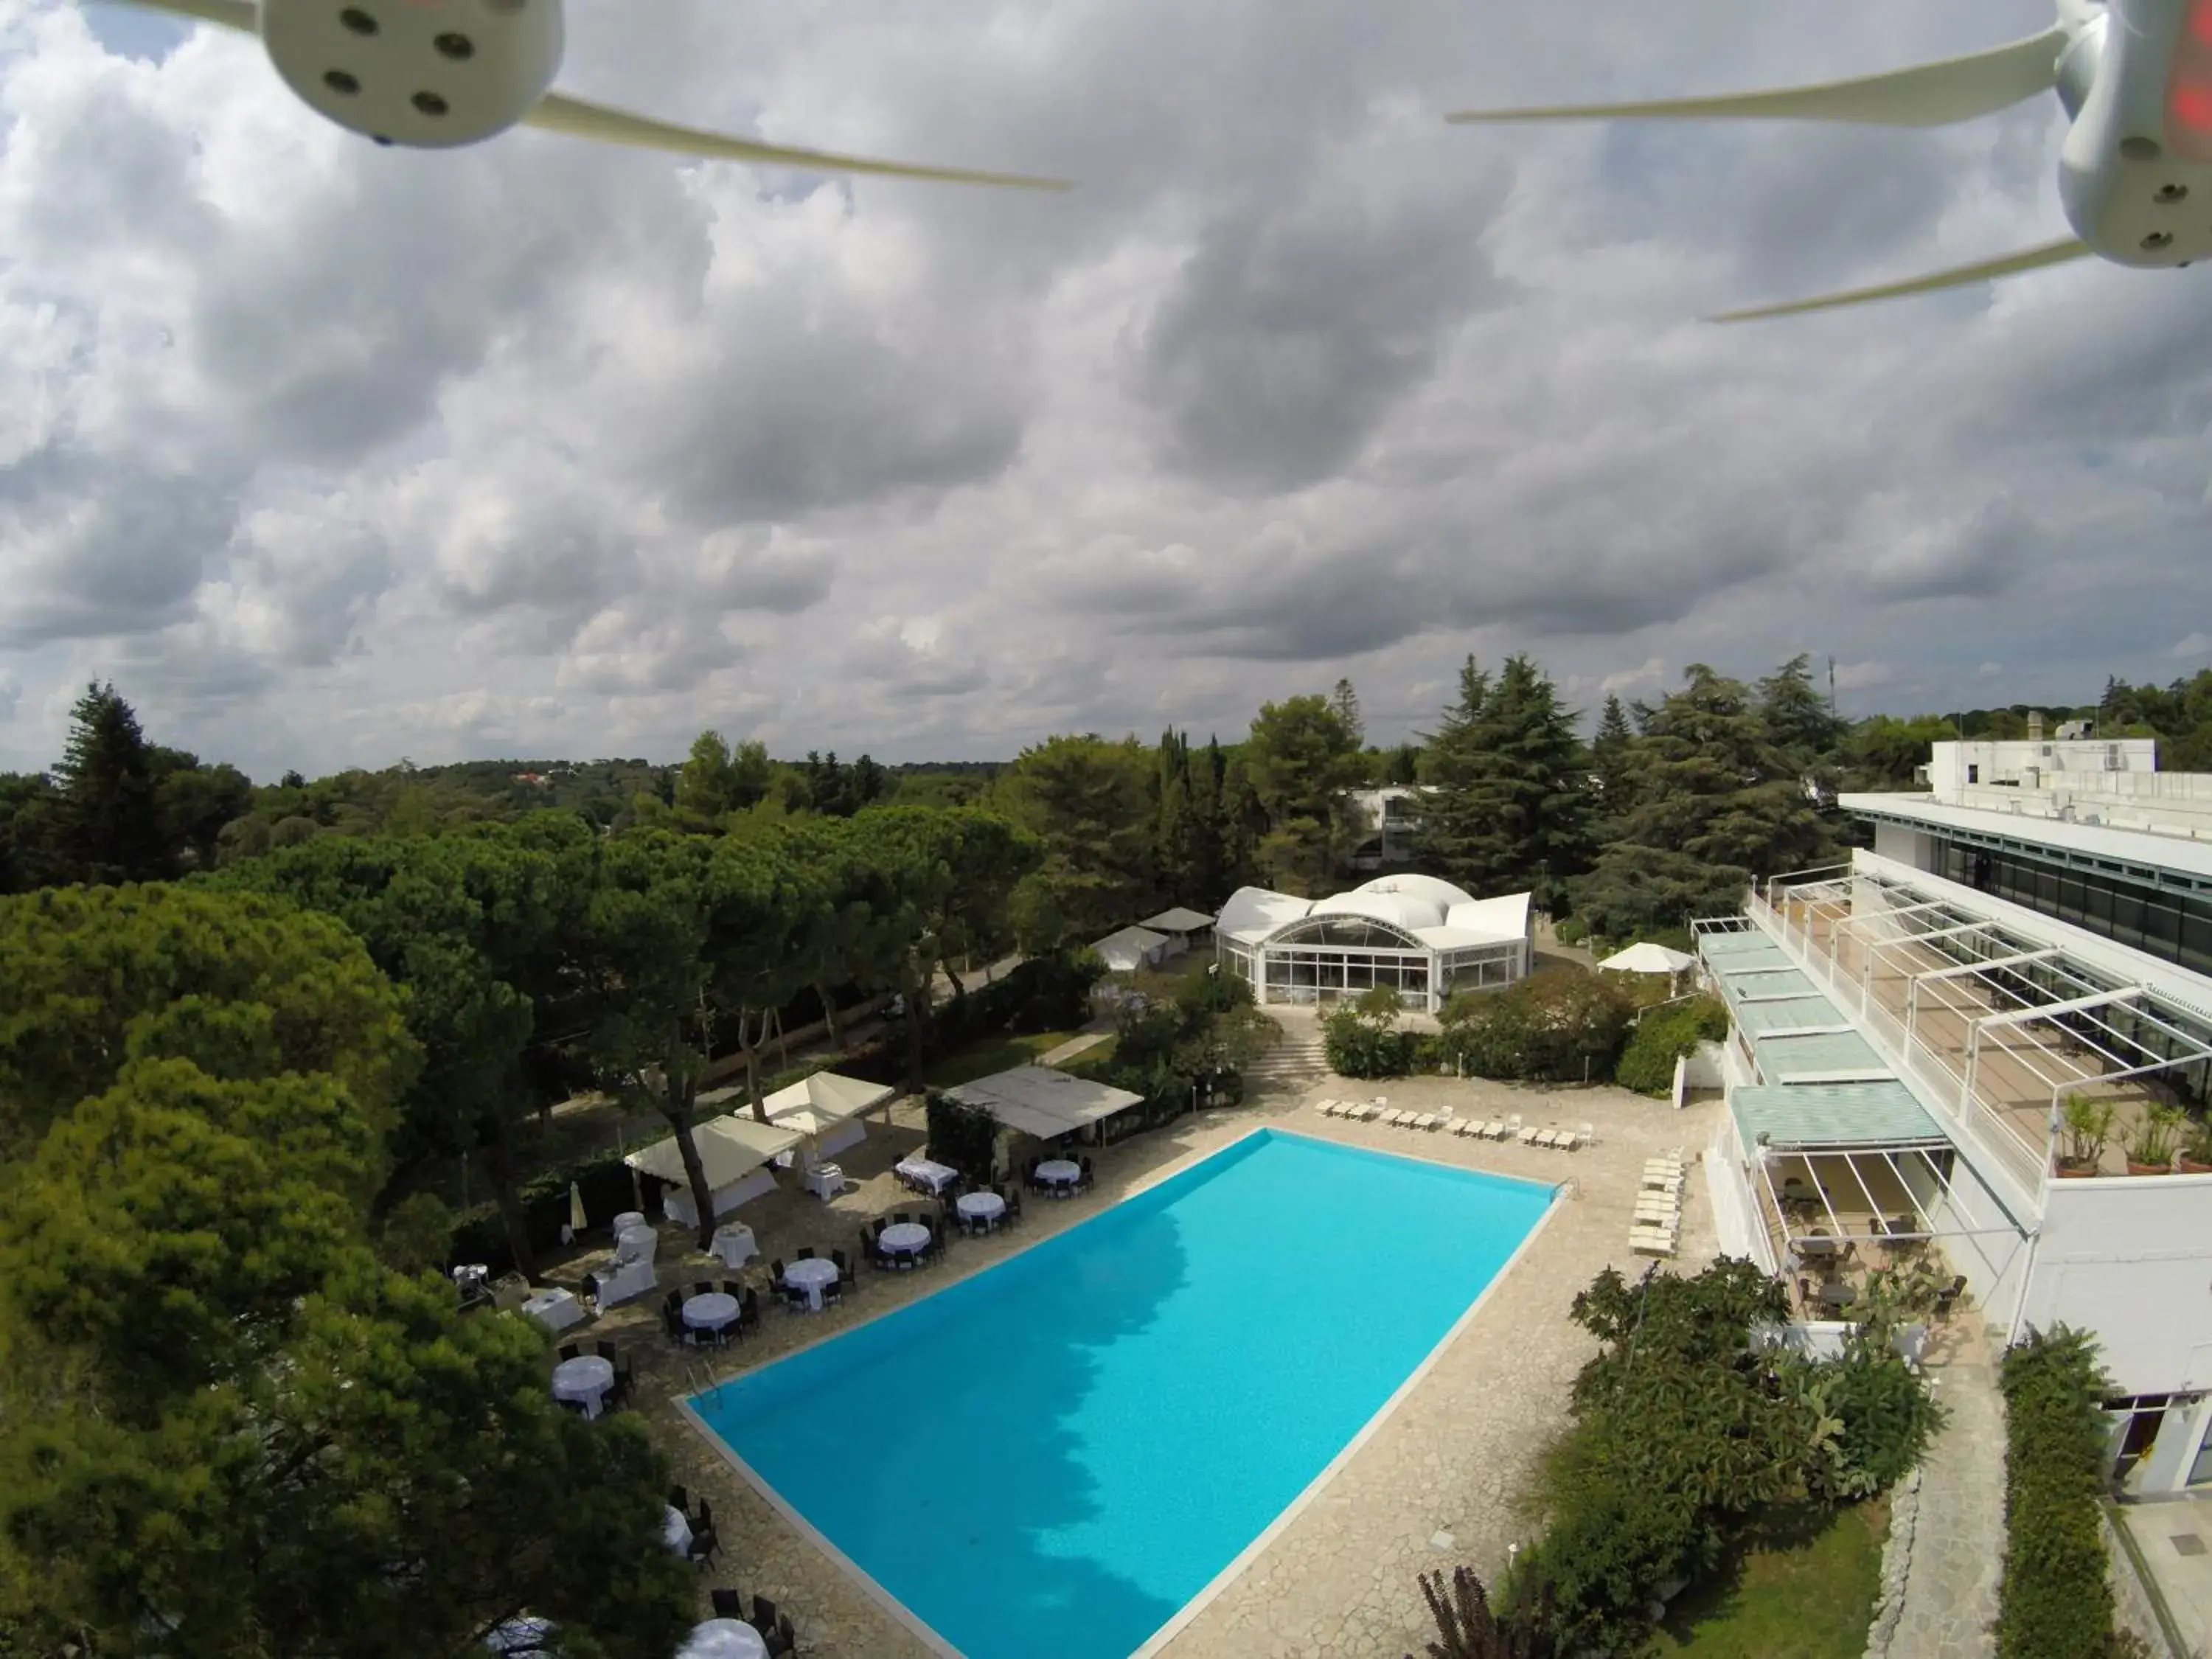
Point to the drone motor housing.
(430, 74)
(2135, 173)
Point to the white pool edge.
(1242, 1563)
(882, 1598)
(1159, 1639)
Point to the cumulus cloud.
(332, 453)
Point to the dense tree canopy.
(1509, 796)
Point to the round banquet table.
(628, 1219)
(1060, 1172)
(676, 1530)
(584, 1380)
(903, 1238)
(810, 1276)
(723, 1639)
(712, 1311)
(982, 1206)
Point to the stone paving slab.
(1339, 1582)
(1950, 1596)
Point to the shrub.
(1563, 1025)
(964, 1137)
(1361, 1039)
(1467, 1628)
(2054, 1602)
(1664, 1036)
(1870, 1420)
(417, 1236)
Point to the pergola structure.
(2009, 1020)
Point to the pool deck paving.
(1430, 1487)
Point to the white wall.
(1728, 1188)
(2130, 1258)
(1992, 1262)
(1905, 844)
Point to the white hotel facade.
(2036, 924)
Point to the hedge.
(1665, 1034)
(2054, 1602)
(479, 1235)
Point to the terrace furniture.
(806, 1253)
(1464, 1126)
(1014, 1206)
(1528, 1136)
(1947, 1297)
(729, 1604)
(1512, 1127)
(1425, 1121)
(704, 1521)
(925, 1176)
(980, 1212)
(583, 1380)
(811, 1276)
(1059, 1177)
(749, 1315)
(1493, 1130)
(795, 1300)
(763, 1617)
(1089, 1176)
(1325, 1107)
(570, 1351)
(705, 1546)
(903, 1241)
(680, 1499)
(775, 1275)
(672, 1315)
(710, 1313)
(723, 1639)
(1588, 1134)
(555, 1308)
(734, 1245)
(784, 1642)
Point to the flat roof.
(1733, 953)
(1831, 1051)
(2143, 848)
(1807, 1116)
(1764, 1019)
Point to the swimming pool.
(1054, 1456)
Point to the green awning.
(1780, 1057)
(1733, 952)
(1833, 1117)
(1798, 1013)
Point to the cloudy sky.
(330, 454)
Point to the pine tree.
(1243, 821)
(1711, 783)
(1612, 760)
(1510, 806)
(1798, 718)
(1208, 878)
(111, 820)
(1346, 701)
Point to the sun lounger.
(1566, 1139)
(1529, 1135)
(1425, 1121)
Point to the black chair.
(1947, 1297)
(679, 1500)
(833, 1293)
(785, 1642)
(706, 1521)
(903, 1217)
(1014, 1206)
(748, 1311)
(704, 1546)
(806, 1253)
(729, 1604)
(794, 1299)
(571, 1350)
(608, 1352)
(1083, 1182)
(671, 1318)
(775, 1275)
(763, 1618)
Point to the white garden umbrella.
(1649, 958)
(575, 1210)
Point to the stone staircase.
(1295, 1063)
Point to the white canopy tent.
(1131, 948)
(734, 1152)
(1649, 958)
(1044, 1101)
(827, 1109)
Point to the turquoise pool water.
(1051, 1458)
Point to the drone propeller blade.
(2052, 253)
(1925, 95)
(241, 14)
(557, 113)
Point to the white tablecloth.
(710, 1311)
(555, 1309)
(982, 1206)
(628, 1219)
(935, 1176)
(734, 1244)
(723, 1639)
(811, 1275)
(903, 1236)
(586, 1379)
(825, 1181)
(1060, 1172)
(676, 1531)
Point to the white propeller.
(483, 68)
(2066, 57)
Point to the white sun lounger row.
(1560, 1140)
(1656, 1228)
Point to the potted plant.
(2089, 1126)
(2196, 1148)
(2151, 1147)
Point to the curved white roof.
(1441, 916)
(1399, 909)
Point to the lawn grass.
(997, 1054)
(1803, 1588)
